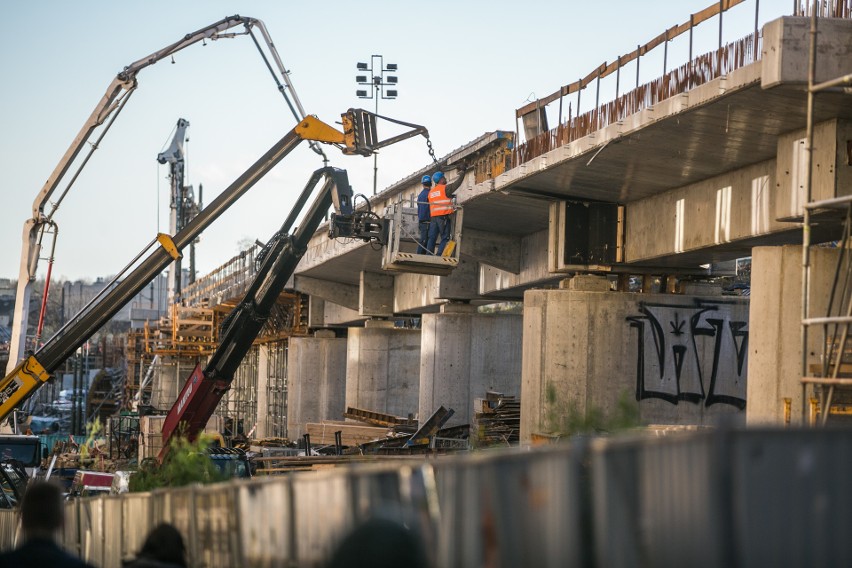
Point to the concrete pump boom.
(110, 105)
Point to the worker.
(423, 216)
(42, 517)
(441, 209)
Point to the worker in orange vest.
(441, 209)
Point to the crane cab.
(402, 253)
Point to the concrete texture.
(316, 375)
(465, 354)
(831, 176)
(674, 357)
(383, 369)
(775, 356)
(734, 206)
(785, 50)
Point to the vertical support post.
(638, 56)
(756, 21)
(719, 51)
(597, 100)
(689, 72)
(579, 89)
(806, 224)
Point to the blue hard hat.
(426, 179)
(437, 176)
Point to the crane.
(104, 114)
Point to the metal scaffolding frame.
(834, 371)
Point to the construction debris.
(496, 420)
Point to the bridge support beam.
(316, 376)
(775, 358)
(463, 355)
(658, 358)
(383, 368)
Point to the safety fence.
(697, 71)
(702, 498)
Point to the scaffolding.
(827, 385)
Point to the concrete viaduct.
(704, 176)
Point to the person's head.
(164, 544)
(438, 177)
(42, 512)
(426, 181)
(380, 543)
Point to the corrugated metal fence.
(749, 498)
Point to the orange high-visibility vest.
(439, 203)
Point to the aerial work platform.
(403, 253)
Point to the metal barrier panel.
(321, 515)
(792, 497)
(265, 524)
(216, 526)
(512, 509)
(90, 514)
(615, 502)
(70, 536)
(675, 506)
(111, 531)
(135, 522)
(8, 529)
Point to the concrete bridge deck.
(734, 131)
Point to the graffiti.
(691, 352)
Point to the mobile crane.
(42, 222)
(276, 263)
(358, 137)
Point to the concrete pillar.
(671, 359)
(262, 391)
(463, 355)
(775, 357)
(316, 376)
(383, 368)
(376, 294)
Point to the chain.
(431, 150)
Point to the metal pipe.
(806, 221)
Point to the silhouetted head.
(164, 543)
(380, 543)
(42, 510)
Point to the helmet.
(426, 180)
(437, 176)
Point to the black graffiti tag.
(683, 347)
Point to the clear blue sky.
(464, 67)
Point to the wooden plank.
(351, 434)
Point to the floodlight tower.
(378, 80)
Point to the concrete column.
(376, 294)
(262, 388)
(316, 375)
(463, 355)
(671, 359)
(775, 357)
(383, 368)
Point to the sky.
(464, 67)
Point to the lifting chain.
(431, 150)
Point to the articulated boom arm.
(111, 104)
(205, 388)
(36, 369)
